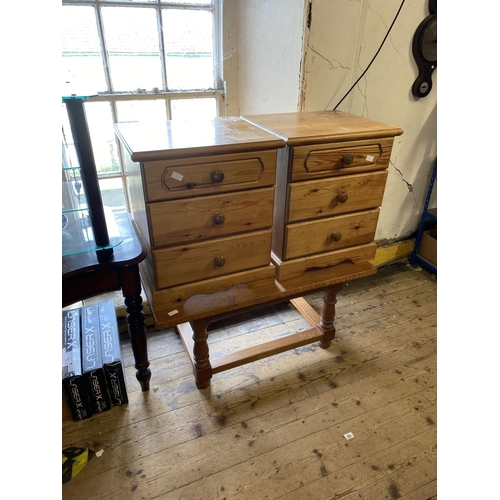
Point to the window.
(143, 60)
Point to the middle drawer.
(333, 233)
(337, 195)
(209, 259)
(196, 219)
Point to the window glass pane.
(132, 111)
(100, 123)
(196, 2)
(70, 159)
(112, 194)
(81, 51)
(201, 108)
(132, 41)
(188, 40)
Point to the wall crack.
(410, 187)
(328, 60)
(385, 25)
(363, 94)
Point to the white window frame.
(218, 92)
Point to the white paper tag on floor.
(349, 435)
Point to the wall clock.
(425, 52)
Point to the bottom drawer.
(218, 257)
(325, 235)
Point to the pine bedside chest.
(329, 187)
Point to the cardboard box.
(111, 353)
(428, 246)
(73, 383)
(93, 371)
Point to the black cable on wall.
(374, 57)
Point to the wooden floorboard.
(274, 428)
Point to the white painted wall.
(344, 36)
(274, 63)
(265, 36)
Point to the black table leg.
(131, 289)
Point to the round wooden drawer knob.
(219, 219)
(219, 261)
(348, 159)
(217, 176)
(342, 197)
(336, 236)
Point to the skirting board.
(395, 252)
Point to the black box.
(73, 383)
(93, 372)
(111, 353)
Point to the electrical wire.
(374, 57)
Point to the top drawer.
(186, 177)
(323, 160)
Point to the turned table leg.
(131, 289)
(201, 365)
(328, 316)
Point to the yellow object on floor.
(392, 253)
(73, 461)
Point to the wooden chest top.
(322, 126)
(170, 139)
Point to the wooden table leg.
(131, 289)
(328, 316)
(201, 365)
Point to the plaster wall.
(289, 55)
(343, 37)
(262, 55)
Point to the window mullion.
(114, 117)
(163, 57)
(220, 84)
(104, 51)
(217, 35)
(168, 104)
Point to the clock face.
(424, 49)
(429, 41)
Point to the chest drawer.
(325, 235)
(338, 195)
(209, 259)
(323, 160)
(181, 178)
(196, 219)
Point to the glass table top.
(77, 234)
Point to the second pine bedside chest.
(329, 186)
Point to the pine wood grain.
(275, 428)
(295, 268)
(312, 199)
(186, 177)
(172, 139)
(244, 290)
(197, 261)
(306, 238)
(319, 127)
(185, 220)
(311, 162)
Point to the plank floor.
(274, 429)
